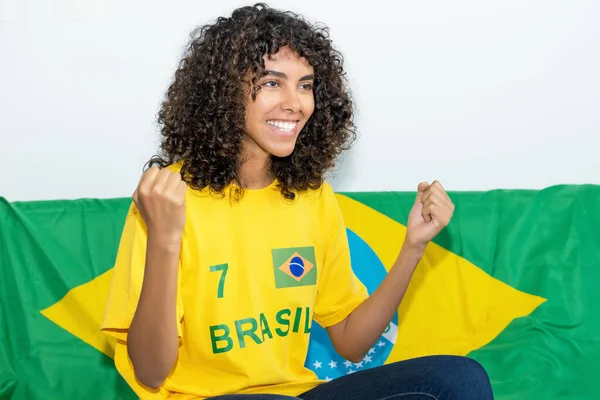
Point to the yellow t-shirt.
(253, 274)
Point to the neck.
(255, 171)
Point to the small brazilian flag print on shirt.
(294, 266)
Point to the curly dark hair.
(202, 117)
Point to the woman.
(234, 243)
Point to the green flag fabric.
(519, 268)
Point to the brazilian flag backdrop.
(513, 282)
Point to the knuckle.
(143, 192)
(156, 191)
(179, 203)
(177, 200)
(152, 171)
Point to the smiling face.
(282, 106)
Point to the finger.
(436, 187)
(426, 213)
(147, 179)
(135, 198)
(440, 195)
(427, 194)
(441, 213)
(172, 182)
(147, 176)
(431, 213)
(443, 202)
(422, 187)
(431, 197)
(161, 179)
(181, 190)
(437, 184)
(429, 200)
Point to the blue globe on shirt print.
(322, 357)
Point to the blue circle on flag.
(297, 266)
(322, 357)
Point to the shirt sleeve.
(127, 279)
(339, 289)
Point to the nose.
(291, 101)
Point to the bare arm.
(152, 341)
(354, 336)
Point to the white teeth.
(284, 126)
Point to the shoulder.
(323, 193)
(327, 193)
(322, 198)
(326, 186)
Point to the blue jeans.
(425, 378)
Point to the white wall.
(479, 95)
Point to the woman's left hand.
(431, 212)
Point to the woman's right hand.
(160, 198)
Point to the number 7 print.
(223, 268)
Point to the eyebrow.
(284, 76)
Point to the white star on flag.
(374, 357)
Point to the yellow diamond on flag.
(80, 312)
(451, 306)
(300, 261)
